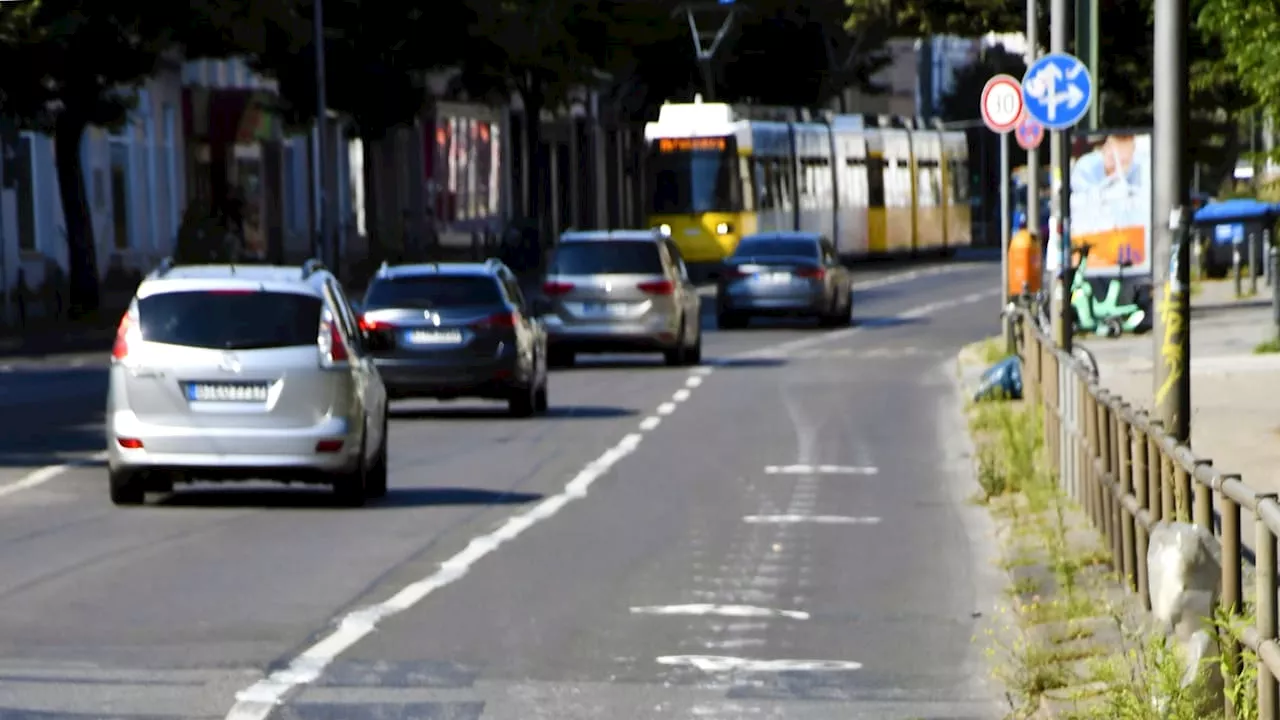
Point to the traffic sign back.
(1001, 103)
(1057, 90)
(1029, 133)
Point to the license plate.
(433, 337)
(227, 392)
(776, 277)
(604, 308)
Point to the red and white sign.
(1029, 133)
(1002, 103)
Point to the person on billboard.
(1110, 203)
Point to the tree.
(539, 50)
(75, 63)
(377, 55)
(822, 57)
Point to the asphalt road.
(781, 533)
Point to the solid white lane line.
(47, 473)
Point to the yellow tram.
(714, 177)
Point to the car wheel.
(350, 488)
(540, 403)
(695, 353)
(523, 403)
(376, 480)
(125, 488)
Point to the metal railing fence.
(1128, 474)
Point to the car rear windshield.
(230, 320)
(614, 257)
(776, 247)
(433, 291)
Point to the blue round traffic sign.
(1057, 90)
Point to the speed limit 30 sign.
(1002, 103)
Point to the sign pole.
(1171, 266)
(1060, 161)
(1002, 110)
(1005, 220)
(1033, 154)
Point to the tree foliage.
(75, 63)
(823, 57)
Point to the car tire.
(695, 353)
(350, 488)
(126, 488)
(523, 403)
(540, 402)
(376, 478)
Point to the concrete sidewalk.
(1235, 393)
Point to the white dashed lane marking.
(739, 611)
(790, 519)
(820, 470)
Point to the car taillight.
(657, 287)
(368, 325)
(815, 273)
(124, 333)
(556, 288)
(332, 347)
(496, 322)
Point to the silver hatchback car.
(237, 372)
(620, 291)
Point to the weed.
(993, 350)
(1266, 347)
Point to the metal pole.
(1172, 256)
(1005, 233)
(1033, 155)
(1059, 159)
(322, 107)
(1275, 291)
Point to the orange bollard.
(1024, 263)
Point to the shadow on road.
(758, 362)
(322, 499)
(499, 412)
(888, 321)
(50, 416)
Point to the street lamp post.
(322, 103)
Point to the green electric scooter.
(1107, 317)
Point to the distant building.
(922, 71)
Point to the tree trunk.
(534, 100)
(82, 256)
(371, 151)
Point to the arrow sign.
(1057, 91)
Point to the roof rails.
(165, 266)
(310, 267)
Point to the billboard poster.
(1111, 200)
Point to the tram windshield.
(693, 175)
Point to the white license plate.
(433, 337)
(604, 308)
(777, 277)
(227, 392)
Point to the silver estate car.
(784, 273)
(620, 291)
(236, 372)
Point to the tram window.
(747, 184)
(875, 181)
(695, 181)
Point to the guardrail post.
(1232, 584)
(1142, 489)
(1202, 513)
(1168, 501)
(1124, 488)
(1265, 597)
(1182, 491)
(1110, 480)
(1090, 450)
